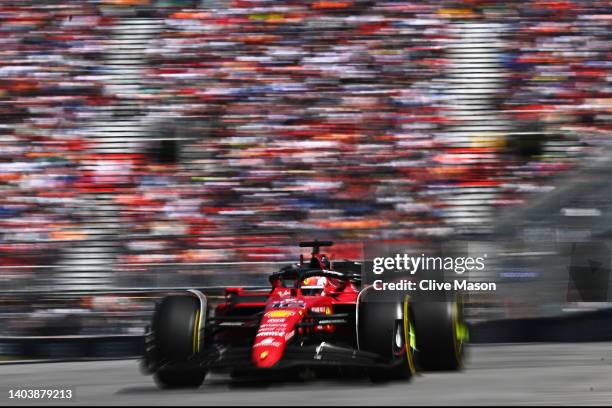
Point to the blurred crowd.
(560, 63)
(50, 83)
(319, 118)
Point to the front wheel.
(178, 326)
(442, 333)
(385, 327)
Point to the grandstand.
(141, 136)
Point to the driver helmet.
(315, 282)
(325, 262)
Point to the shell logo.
(280, 313)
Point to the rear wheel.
(176, 332)
(386, 327)
(441, 335)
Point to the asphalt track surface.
(522, 374)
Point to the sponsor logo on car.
(321, 309)
(273, 327)
(289, 303)
(271, 333)
(270, 341)
(280, 313)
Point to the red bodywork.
(290, 313)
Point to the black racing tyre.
(440, 335)
(384, 326)
(176, 327)
(176, 337)
(175, 378)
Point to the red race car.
(315, 315)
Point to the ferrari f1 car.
(316, 315)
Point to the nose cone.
(275, 330)
(268, 355)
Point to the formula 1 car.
(315, 315)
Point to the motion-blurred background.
(150, 144)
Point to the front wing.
(223, 358)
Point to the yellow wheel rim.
(196, 332)
(460, 332)
(409, 334)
